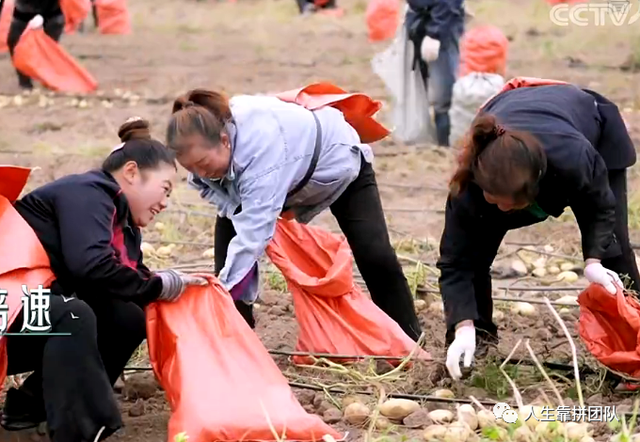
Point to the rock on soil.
(332, 415)
(140, 386)
(418, 419)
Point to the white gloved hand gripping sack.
(429, 49)
(596, 273)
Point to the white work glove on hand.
(174, 283)
(596, 273)
(36, 22)
(429, 49)
(463, 344)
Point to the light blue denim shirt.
(272, 142)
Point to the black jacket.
(83, 222)
(584, 137)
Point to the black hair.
(137, 145)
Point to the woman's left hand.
(596, 273)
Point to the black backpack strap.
(314, 160)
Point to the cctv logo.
(503, 411)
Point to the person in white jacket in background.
(256, 157)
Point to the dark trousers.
(360, 217)
(623, 264)
(53, 27)
(73, 376)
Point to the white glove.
(429, 49)
(596, 273)
(463, 344)
(36, 22)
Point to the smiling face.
(200, 156)
(147, 191)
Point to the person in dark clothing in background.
(435, 28)
(24, 12)
(89, 225)
(532, 152)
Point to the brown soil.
(262, 46)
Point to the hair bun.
(134, 128)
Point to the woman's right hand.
(463, 344)
(174, 283)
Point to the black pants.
(623, 264)
(53, 27)
(360, 217)
(74, 375)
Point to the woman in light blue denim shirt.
(257, 156)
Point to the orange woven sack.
(358, 108)
(334, 315)
(609, 326)
(38, 56)
(383, 17)
(75, 12)
(220, 381)
(27, 262)
(113, 17)
(5, 23)
(483, 49)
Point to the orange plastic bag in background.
(383, 18)
(75, 12)
(5, 23)
(483, 49)
(358, 109)
(38, 56)
(24, 260)
(334, 315)
(113, 17)
(220, 381)
(610, 328)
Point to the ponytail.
(484, 130)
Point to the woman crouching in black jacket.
(89, 225)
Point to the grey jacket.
(272, 145)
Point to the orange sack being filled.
(113, 17)
(334, 315)
(5, 23)
(220, 381)
(38, 56)
(610, 328)
(483, 49)
(75, 12)
(24, 260)
(383, 17)
(358, 109)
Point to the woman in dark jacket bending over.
(89, 225)
(532, 152)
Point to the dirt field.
(261, 46)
